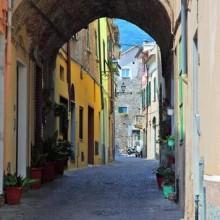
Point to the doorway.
(21, 121)
(90, 135)
(63, 131)
(73, 129)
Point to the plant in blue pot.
(171, 142)
(168, 184)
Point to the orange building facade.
(3, 40)
(3, 14)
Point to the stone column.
(2, 60)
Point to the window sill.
(123, 114)
(126, 77)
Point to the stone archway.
(50, 24)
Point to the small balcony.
(139, 121)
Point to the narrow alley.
(125, 189)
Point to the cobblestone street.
(123, 190)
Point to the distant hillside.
(131, 35)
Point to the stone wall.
(131, 99)
(213, 200)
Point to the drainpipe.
(184, 37)
(69, 82)
(147, 110)
(197, 207)
(2, 58)
(2, 50)
(7, 63)
(101, 89)
(69, 69)
(100, 63)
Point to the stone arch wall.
(51, 23)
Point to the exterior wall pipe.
(101, 89)
(69, 68)
(2, 59)
(100, 63)
(184, 37)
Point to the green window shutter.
(149, 93)
(180, 55)
(146, 96)
(155, 89)
(181, 112)
(181, 95)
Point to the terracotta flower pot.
(48, 172)
(160, 180)
(171, 160)
(13, 195)
(59, 167)
(36, 173)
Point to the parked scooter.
(131, 150)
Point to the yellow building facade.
(77, 80)
(91, 118)
(87, 96)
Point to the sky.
(127, 30)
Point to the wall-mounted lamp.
(123, 88)
(113, 67)
(170, 111)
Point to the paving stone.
(123, 190)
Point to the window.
(110, 48)
(81, 123)
(82, 156)
(155, 89)
(81, 73)
(96, 148)
(63, 119)
(181, 94)
(148, 94)
(125, 73)
(122, 110)
(62, 73)
(143, 99)
(180, 55)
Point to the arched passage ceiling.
(50, 23)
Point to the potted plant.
(13, 186)
(60, 110)
(170, 159)
(49, 146)
(61, 156)
(160, 176)
(64, 151)
(38, 161)
(168, 183)
(171, 142)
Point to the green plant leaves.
(12, 180)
